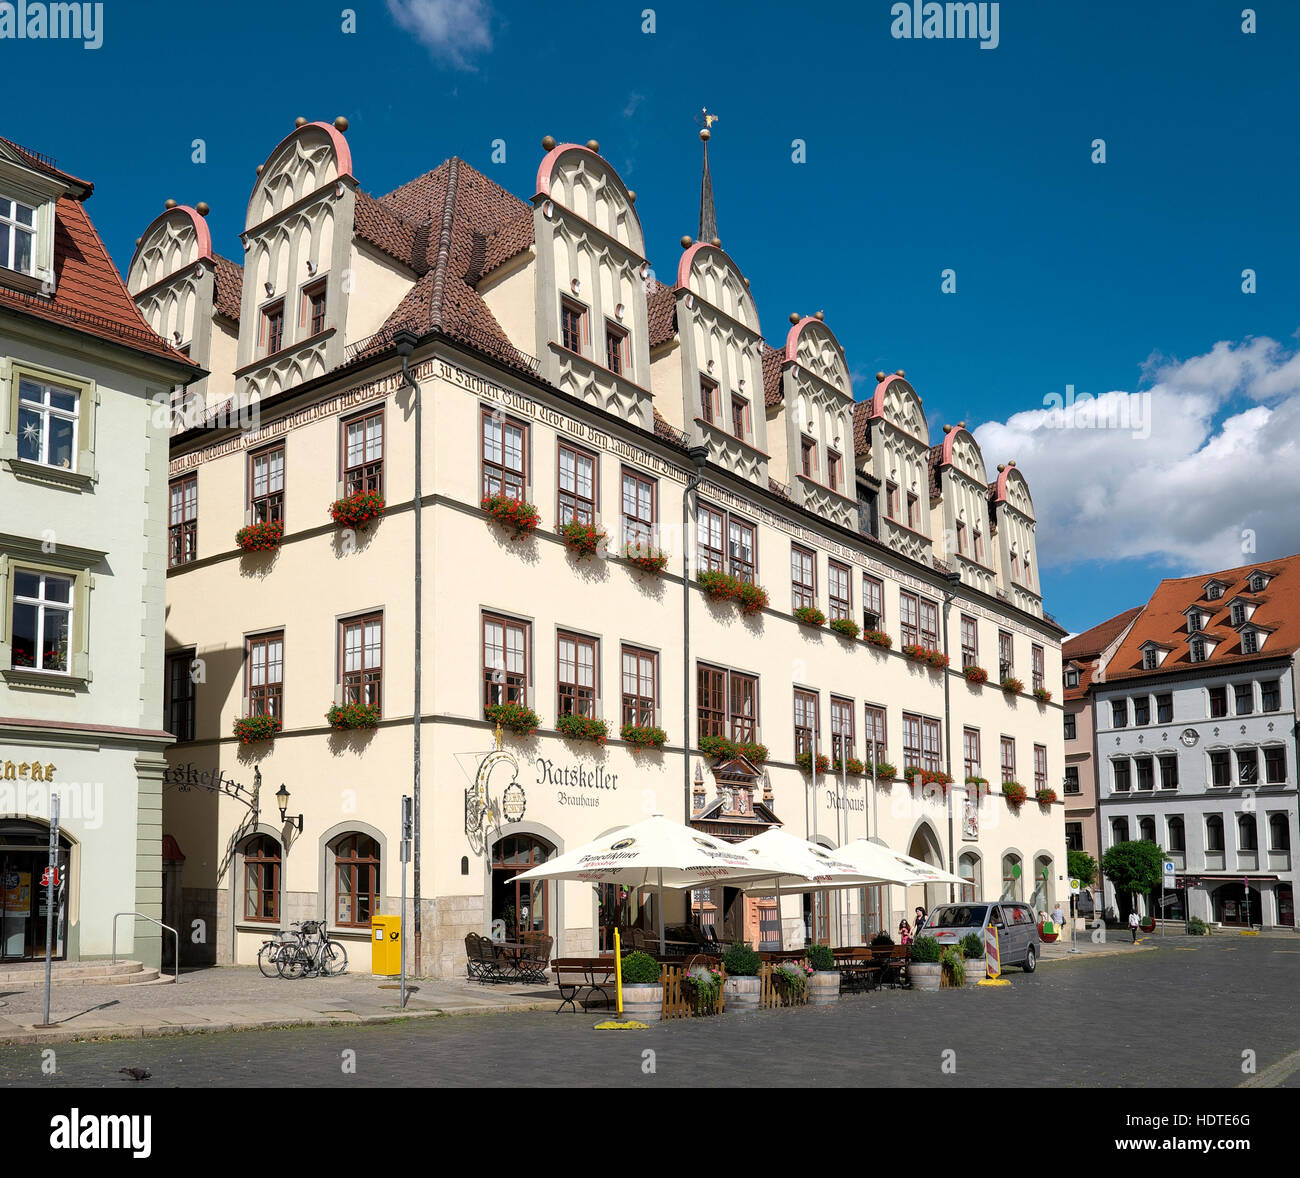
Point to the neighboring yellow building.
(553, 368)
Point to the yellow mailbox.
(386, 945)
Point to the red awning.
(171, 850)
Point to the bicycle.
(304, 958)
(268, 955)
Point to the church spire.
(708, 215)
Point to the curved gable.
(811, 344)
(584, 183)
(310, 158)
(175, 240)
(897, 402)
(962, 452)
(706, 271)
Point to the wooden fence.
(775, 991)
(680, 998)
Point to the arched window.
(1247, 833)
(1279, 833)
(1012, 878)
(1177, 836)
(262, 879)
(1214, 833)
(968, 867)
(356, 880)
(1119, 830)
(1147, 829)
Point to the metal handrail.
(151, 920)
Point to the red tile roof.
(229, 279)
(773, 358)
(1163, 621)
(42, 163)
(1084, 648)
(380, 226)
(662, 306)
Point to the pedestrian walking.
(904, 932)
(919, 923)
(1133, 925)
(1058, 919)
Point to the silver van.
(1018, 942)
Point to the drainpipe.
(699, 455)
(405, 342)
(954, 581)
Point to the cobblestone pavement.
(1178, 1016)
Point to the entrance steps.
(30, 975)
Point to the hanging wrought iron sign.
(481, 810)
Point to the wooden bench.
(575, 974)
(859, 969)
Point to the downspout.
(699, 455)
(954, 580)
(405, 342)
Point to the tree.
(1082, 867)
(1134, 867)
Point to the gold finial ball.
(745, 281)
(259, 169)
(898, 372)
(947, 429)
(686, 243)
(631, 195)
(300, 121)
(819, 316)
(138, 240)
(548, 142)
(1001, 467)
(705, 135)
(593, 145)
(1011, 462)
(341, 123)
(879, 377)
(794, 316)
(169, 203)
(961, 425)
(716, 243)
(202, 208)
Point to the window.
(47, 423)
(17, 236)
(573, 325)
(929, 623)
(710, 526)
(1071, 720)
(726, 700)
(1147, 829)
(908, 618)
(576, 675)
(1218, 702)
(505, 450)
(640, 685)
(913, 511)
(1164, 709)
(808, 457)
(1195, 621)
(1072, 779)
(834, 470)
(639, 501)
(1270, 695)
(1257, 582)
(970, 748)
(1073, 835)
(262, 879)
(1036, 666)
(1275, 765)
(505, 660)
(313, 308)
(362, 647)
(710, 401)
(839, 580)
(1122, 781)
(961, 538)
(266, 675)
(742, 547)
(873, 603)
(1008, 749)
(1006, 654)
(931, 745)
(806, 728)
(1177, 836)
(356, 880)
(1279, 833)
(1250, 642)
(1150, 659)
(1247, 833)
(1141, 710)
(1219, 768)
(1213, 592)
(616, 348)
(979, 545)
(266, 485)
(1071, 677)
(740, 417)
(363, 453)
(1214, 834)
(1119, 713)
(1169, 772)
(803, 577)
(1119, 830)
(577, 486)
(182, 519)
(42, 620)
(970, 649)
(873, 733)
(1237, 613)
(1040, 766)
(1248, 766)
(180, 695)
(1196, 650)
(272, 338)
(891, 500)
(1244, 698)
(911, 741)
(1145, 773)
(841, 730)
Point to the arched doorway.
(1042, 895)
(1236, 904)
(523, 906)
(925, 846)
(24, 855)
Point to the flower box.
(516, 718)
(720, 746)
(1045, 797)
(845, 627)
(810, 615)
(513, 514)
(582, 539)
(260, 537)
(925, 654)
(575, 727)
(1042, 695)
(250, 729)
(914, 773)
(882, 770)
(724, 587)
(981, 784)
(1012, 686)
(344, 716)
(648, 736)
(753, 598)
(805, 760)
(878, 638)
(856, 767)
(976, 674)
(1014, 792)
(648, 560)
(354, 511)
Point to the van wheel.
(1030, 964)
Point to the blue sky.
(922, 155)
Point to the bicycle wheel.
(334, 960)
(266, 959)
(292, 962)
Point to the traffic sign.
(1169, 869)
(1075, 889)
(992, 959)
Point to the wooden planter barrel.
(976, 971)
(644, 1003)
(924, 975)
(741, 993)
(824, 988)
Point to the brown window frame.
(572, 697)
(267, 508)
(582, 311)
(368, 474)
(803, 577)
(180, 710)
(912, 751)
(839, 605)
(931, 744)
(909, 631)
(873, 591)
(1006, 654)
(961, 538)
(1007, 757)
(737, 565)
(570, 504)
(970, 751)
(808, 457)
(308, 308)
(268, 871)
(1040, 766)
(891, 501)
(929, 622)
(970, 642)
(875, 719)
(979, 546)
(367, 864)
(183, 532)
(740, 422)
(710, 556)
(366, 684)
(266, 699)
(710, 401)
(642, 532)
(497, 464)
(807, 737)
(843, 741)
(729, 720)
(834, 469)
(1037, 666)
(637, 707)
(521, 692)
(618, 357)
(913, 511)
(267, 339)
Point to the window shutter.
(89, 410)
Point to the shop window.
(356, 880)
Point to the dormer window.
(1195, 621)
(1196, 650)
(1238, 613)
(1213, 591)
(1071, 677)
(1257, 582)
(1251, 641)
(17, 236)
(1150, 659)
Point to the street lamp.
(282, 800)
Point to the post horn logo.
(622, 844)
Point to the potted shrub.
(845, 627)
(516, 718)
(952, 967)
(1196, 927)
(924, 969)
(516, 516)
(878, 638)
(1148, 925)
(357, 510)
(743, 988)
(805, 761)
(644, 736)
(347, 716)
(824, 983)
(705, 984)
(251, 729)
(646, 558)
(1014, 792)
(882, 940)
(582, 539)
(1045, 796)
(810, 615)
(575, 727)
(1011, 685)
(260, 537)
(976, 674)
(643, 991)
(972, 948)
(1042, 695)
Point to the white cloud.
(452, 30)
(1213, 468)
(634, 100)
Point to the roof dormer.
(1153, 654)
(30, 188)
(1258, 580)
(1254, 636)
(1241, 608)
(1213, 589)
(1197, 618)
(1200, 647)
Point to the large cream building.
(552, 367)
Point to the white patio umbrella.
(891, 866)
(657, 851)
